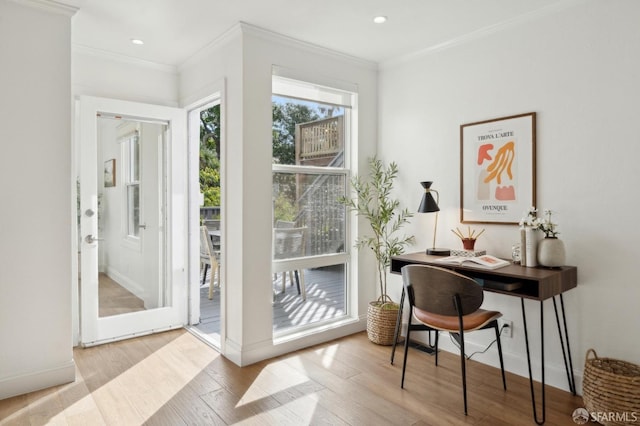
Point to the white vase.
(551, 252)
(531, 247)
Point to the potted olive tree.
(373, 201)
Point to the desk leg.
(526, 339)
(566, 355)
(396, 333)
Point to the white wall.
(578, 68)
(36, 182)
(244, 60)
(97, 73)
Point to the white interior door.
(133, 226)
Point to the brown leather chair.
(443, 300)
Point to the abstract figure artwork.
(497, 170)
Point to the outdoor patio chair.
(289, 243)
(209, 257)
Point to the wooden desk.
(538, 283)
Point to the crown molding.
(242, 28)
(224, 38)
(124, 59)
(303, 45)
(482, 32)
(63, 8)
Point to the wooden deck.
(325, 301)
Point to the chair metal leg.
(302, 291)
(463, 364)
(406, 351)
(396, 333)
(497, 329)
(437, 337)
(204, 275)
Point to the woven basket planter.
(611, 386)
(381, 322)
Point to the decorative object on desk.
(429, 205)
(515, 253)
(550, 251)
(467, 253)
(528, 238)
(611, 386)
(373, 201)
(485, 261)
(468, 241)
(497, 169)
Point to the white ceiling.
(173, 30)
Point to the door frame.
(216, 95)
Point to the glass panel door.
(133, 228)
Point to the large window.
(311, 134)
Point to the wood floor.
(173, 378)
(115, 299)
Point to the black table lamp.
(429, 205)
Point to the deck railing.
(319, 141)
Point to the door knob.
(90, 239)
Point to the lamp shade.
(428, 204)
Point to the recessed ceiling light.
(380, 19)
(137, 41)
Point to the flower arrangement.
(543, 224)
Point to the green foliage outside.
(285, 117)
(285, 114)
(210, 155)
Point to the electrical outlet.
(506, 326)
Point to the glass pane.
(135, 159)
(308, 203)
(133, 200)
(131, 270)
(325, 297)
(307, 133)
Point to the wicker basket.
(381, 322)
(611, 390)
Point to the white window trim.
(125, 132)
(345, 97)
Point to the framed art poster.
(498, 169)
(110, 173)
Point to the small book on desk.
(485, 261)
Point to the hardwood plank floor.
(115, 299)
(173, 378)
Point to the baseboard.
(33, 381)
(249, 354)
